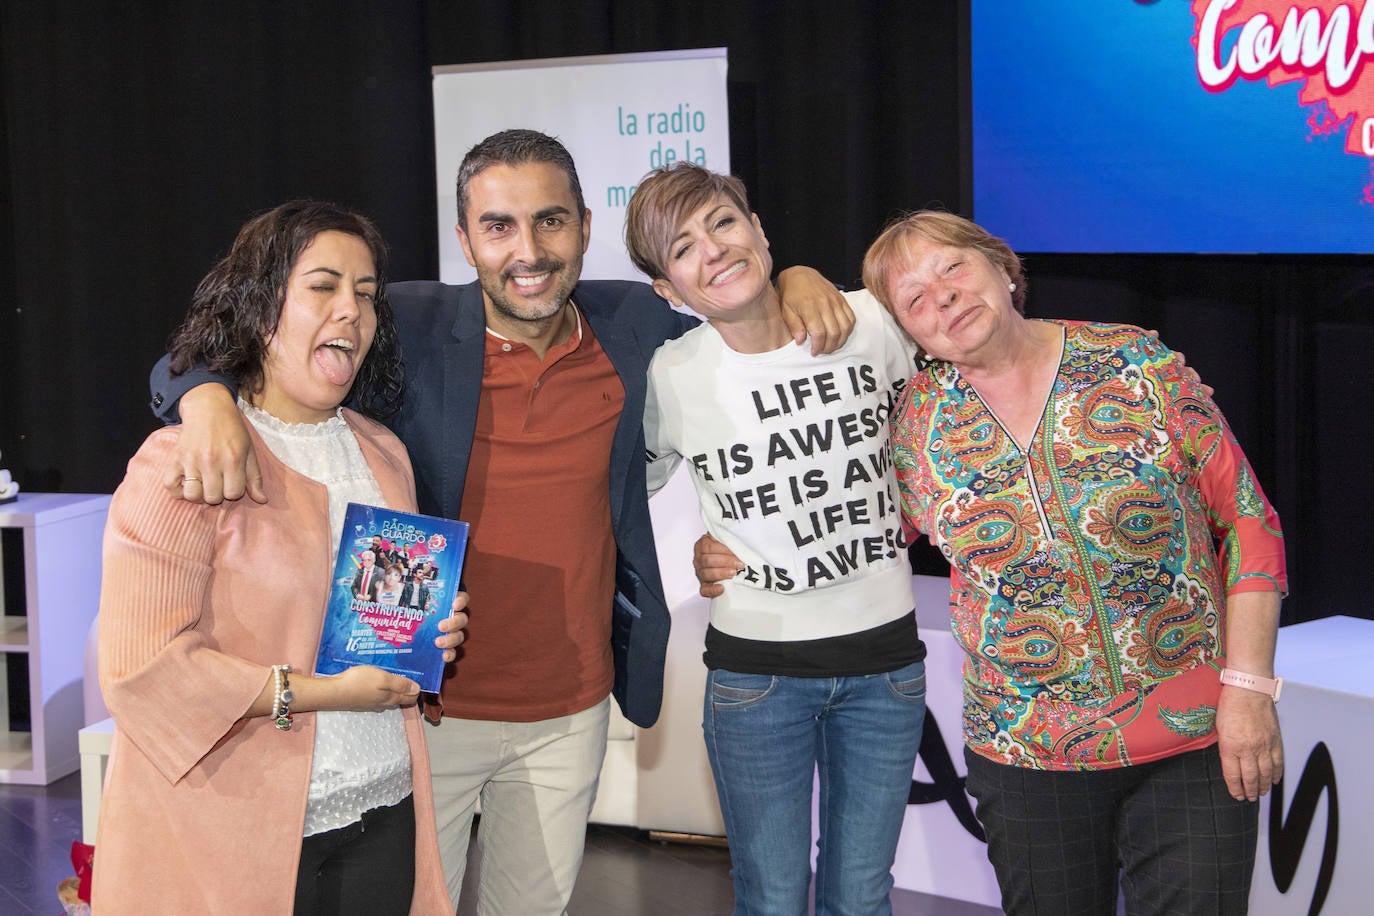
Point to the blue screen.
(1094, 132)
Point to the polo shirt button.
(506, 347)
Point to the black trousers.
(1167, 831)
(364, 869)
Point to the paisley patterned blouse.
(1090, 573)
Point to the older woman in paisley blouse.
(1116, 578)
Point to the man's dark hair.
(236, 308)
(515, 147)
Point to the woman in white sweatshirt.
(813, 652)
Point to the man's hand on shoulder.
(813, 307)
(214, 458)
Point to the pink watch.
(1269, 686)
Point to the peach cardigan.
(203, 809)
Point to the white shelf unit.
(49, 596)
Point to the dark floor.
(624, 873)
(37, 827)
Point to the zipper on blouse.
(1047, 437)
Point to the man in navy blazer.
(523, 415)
(443, 330)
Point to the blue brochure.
(394, 580)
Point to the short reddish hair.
(891, 250)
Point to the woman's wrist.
(1270, 686)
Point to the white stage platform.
(1314, 847)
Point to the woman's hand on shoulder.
(1188, 371)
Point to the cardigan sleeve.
(1245, 526)
(170, 691)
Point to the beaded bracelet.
(281, 697)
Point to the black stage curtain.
(138, 137)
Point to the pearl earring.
(1012, 287)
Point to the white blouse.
(361, 759)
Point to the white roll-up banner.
(619, 115)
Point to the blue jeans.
(766, 736)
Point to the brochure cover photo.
(394, 580)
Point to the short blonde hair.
(663, 200)
(891, 250)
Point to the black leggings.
(366, 868)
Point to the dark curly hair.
(236, 308)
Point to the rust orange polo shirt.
(540, 566)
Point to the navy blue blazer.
(443, 334)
